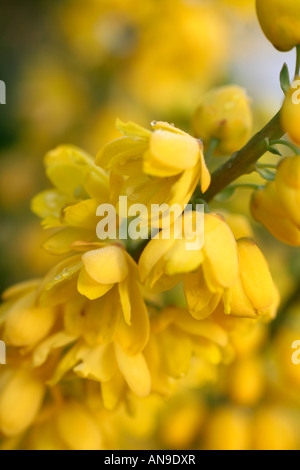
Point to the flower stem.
(297, 70)
(243, 161)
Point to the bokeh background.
(72, 67)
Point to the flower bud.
(254, 294)
(266, 207)
(21, 396)
(224, 114)
(280, 22)
(290, 113)
(288, 187)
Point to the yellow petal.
(82, 214)
(174, 150)
(21, 396)
(201, 301)
(26, 327)
(107, 265)
(125, 301)
(176, 349)
(133, 130)
(57, 341)
(112, 391)
(102, 317)
(90, 288)
(48, 206)
(134, 338)
(60, 243)
(123, 156)
(135, 372)
(97, 363)
(221, 262)
(255, 275)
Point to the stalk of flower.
(162, 166)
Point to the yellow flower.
(218, 270)
(267, 208)
(21, 396)
(106, 327)
(280, 21)
(177, 341)
(288, 187)
(255, 293)
(25, 323)
(158, 167)
(99, 270)
(224, 114)
(79, 188)
(290, 113)
(208, 272)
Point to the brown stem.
(243, 161)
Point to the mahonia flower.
(280, 21)
(290, 113)
(267, 208)
(79, 188)
(224, 114)
(162, 166)
(177, 340)
(24, 322)
(208, 273)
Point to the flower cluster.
(98, 316)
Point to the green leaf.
(285, 81)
